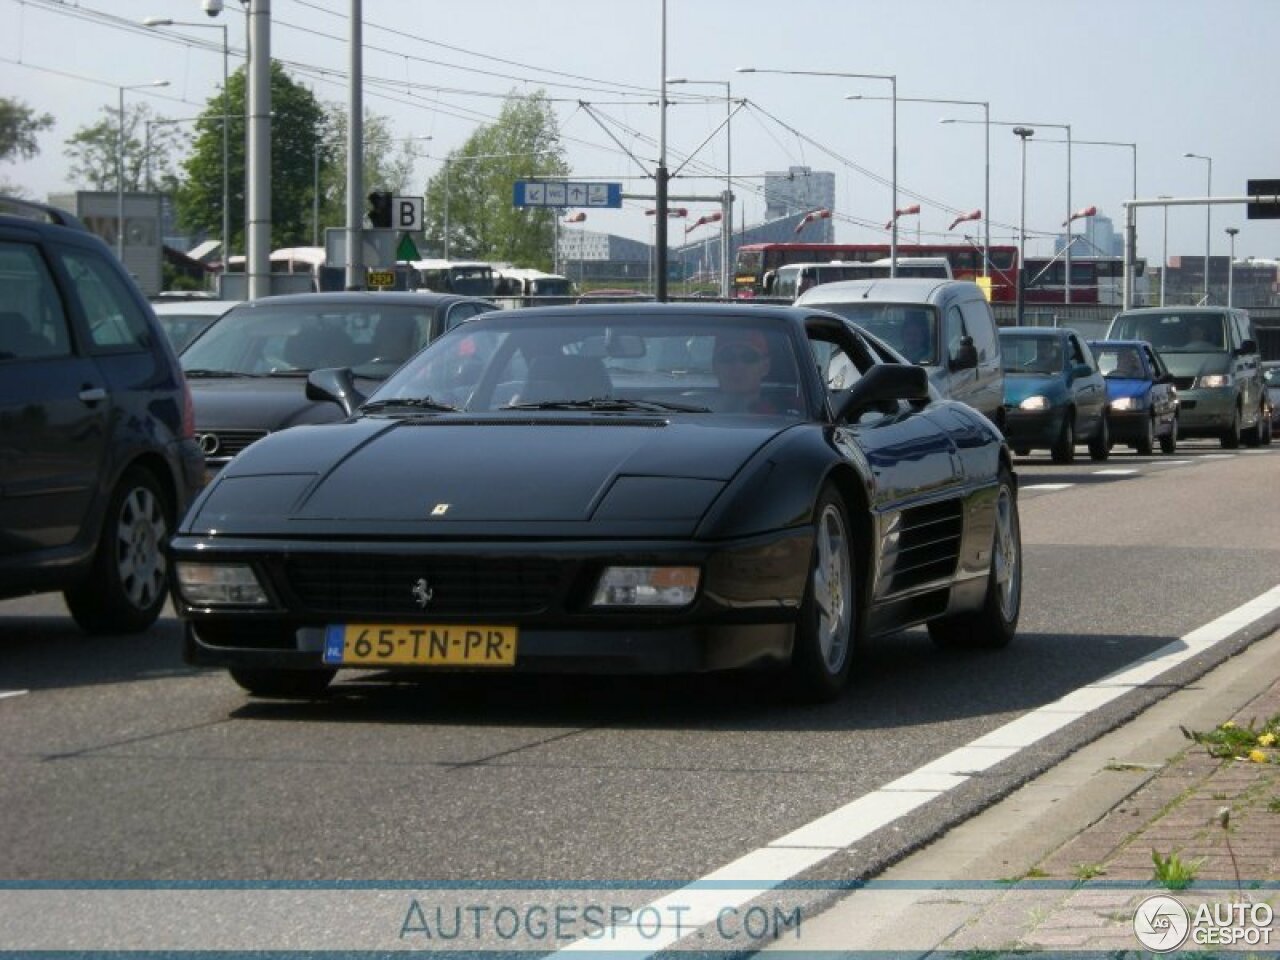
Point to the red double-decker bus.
(758, 262)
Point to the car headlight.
(220, 585)
(1128, 403)
(646, 587)
(1214, 380)
(1034, 403)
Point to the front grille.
(1184, 383)
(221, 445)
(385, 585)
(923, 545)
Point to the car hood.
(1019, 386)
(257, 403)
(1118, 387)
(1196, 364)
(495, 476)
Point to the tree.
(297, 126)
(19, 125)
(483, 223)
(388, 164)
(149, 145)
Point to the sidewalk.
(1064, 863)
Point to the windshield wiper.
(608, 404)
(199, 373)
(421, 403)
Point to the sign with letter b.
(406, 214)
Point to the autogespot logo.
(1161, 923)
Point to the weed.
(1174, 873)
(1087, 871)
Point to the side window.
(32, 322)
(981, 327)
(1079, 352)
(954, 330)
(459, 313)
(116, 321)
(1153, 362)
(1242, 329)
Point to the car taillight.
(188, 412)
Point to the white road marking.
(1219, 456)
(1045, 486)
(12, 693)
(1116, 472)
(737, 883)
(1169, 463)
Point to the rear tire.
(128, 582)
(830, 617)
(1253, 436)
(995, 624)
(1265, 429)
(1064, 448)
(284, 684)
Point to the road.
(121, 763)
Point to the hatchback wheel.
(127, 583)
(1064, 448)
(1100, 445)
(1146, 443)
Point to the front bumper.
(1206, 412)
(1128, 426)
(1028, 429)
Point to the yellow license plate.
(382, 278)
(428, 645)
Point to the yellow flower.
(1257, 756)
(1229, 725)
(1266, 740)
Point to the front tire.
(995, 624)
(283, 684)
(1169, 442)
(830, 616)
(1231, 439)
(1064, 448)
(127, 584)
(1147, 442)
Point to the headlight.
(1214, 380)
(646, 587)
(1128, 403)
(1034, 403)
(220, 585)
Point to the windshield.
(911, 329)
(722, 364)
(263, 340)
(1198, 332)
(1119, 363)
(1031, 354)
(182, 328)
(471, 281)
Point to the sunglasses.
(745, 355)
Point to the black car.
(97, 452)
(248, 370)
(651, 488)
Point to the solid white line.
(1045, 486)
(1115, 472)
(1169, 463)
(12, 693)
(789, 855)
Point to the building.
(1098, 239)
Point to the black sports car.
(649, 487)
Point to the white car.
(184, 320)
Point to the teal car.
(1054, 394)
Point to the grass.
(1087, 871)
(1174, 873)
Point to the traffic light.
(380, 208)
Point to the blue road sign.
(565, 193)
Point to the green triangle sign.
(407, 250)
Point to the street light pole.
(1208, 218)
(1164, 254)
(1023, 133)
(893, 89)
(1231, 266)
(120, 162)
(226, 123)
(726, 227)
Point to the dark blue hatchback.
(97, 454)
(1142, 401)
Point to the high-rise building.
(799, 190)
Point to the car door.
(55, 408)
(1088, 390)
(980, 327)
(1164, 398)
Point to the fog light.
(220, 585)
(646, 587)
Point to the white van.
(793, 279)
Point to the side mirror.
(1249, 346)
(335, 385)
(1082, 370)
(886, 382)
(966, 357)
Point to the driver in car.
(740, 363)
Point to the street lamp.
(226, 123)
(120, 163)
(1231, 265)
(986, 194)
(1208, 217)
(893, 89)
(726, 230)
(1060, 126)
(1023, 133)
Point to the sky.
(1171, 76)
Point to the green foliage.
(147, 159)
(1174, 873)
(297, 127)
(1088, 871)
(476, 188)
(1231, 741)
(19, 125)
